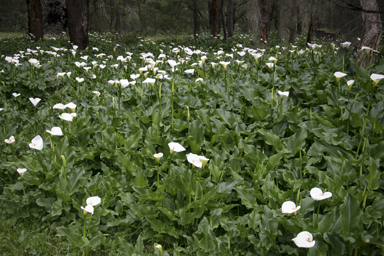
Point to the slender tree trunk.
(310, 30)
(299, 26)
(195, 20)
(78, 16)
(265, 6)
(279, 17)
(223, 20)
(118, 27)
(215, 18)
(293, 22)
(35, 19)
(230, 17)
(372, 30)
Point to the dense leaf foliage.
(272, 128)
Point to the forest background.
(284, 18)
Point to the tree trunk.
(294, 21)
(195, 20)
(265, 6)
(372, 29)
(222, 20)
(215, 18)
(35, 19)
(292, 34)
(299, 26)
(279, 18)
(78, 16)
(230, 17)
(310, 30)
(118, 27)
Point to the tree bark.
(222, 20)
(118, 27)
(299, 26)
(279, 18)
(372, 30)
(215, 18)
(35, 19)
(230, 17)
(195, 20)
(265, 6)
(78, 17)
(310, 30)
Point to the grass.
(4, 35)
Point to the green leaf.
(297, 141)
(247, 198)
(271, 139)
(373, 178)
(254, 220)
(73, 238)
(45, 202)
(338, 246)
(351, 216)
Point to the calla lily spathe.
(175, 147)
(317, 194)
(11, 140)
(195, 160)
(289, 207)
(94, 200)
(376, 78)
(88, 208)
(304, 240)
(55, 131)
(37, 143)
(34, 101)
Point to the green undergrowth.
(274, 123)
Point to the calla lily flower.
(15, 94)
(88, 208)
(376, 78)
(339, 75)
(189, 71)
(79, 79)
(283, 93)
(34, 101)
(66, 117)
(224, 63)
(11, 140)
(304, 240)
(124, 83)
(345, 44)
(317, 194)
(204, 160)
(195, 160)
(158, 156)
(97, 93)
(37, 143)
(71, 105)
(175, 147)
(21, 171)
(60, 106)
(55, 131)
(159, 248)
(134, 76)
(289, 207)
(270, 64)
(151, 81)
(350, 83)
(94, 200)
